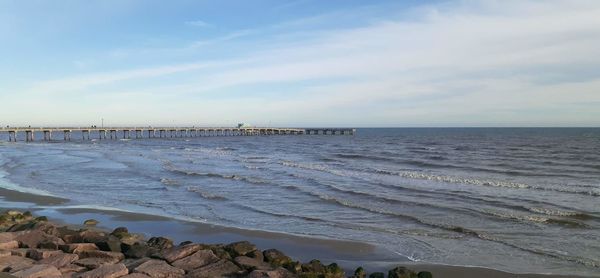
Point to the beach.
(348, 255)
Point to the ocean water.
(520, 200)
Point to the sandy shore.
(347, 254)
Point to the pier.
(114, 133)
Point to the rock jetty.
(32, 247)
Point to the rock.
(160, 243)
(220, 252)
(276, 257)
(39, 271)
(137, 250)
(120, 232)
(218, 269)
(68, 235)
(6, 275)
(196, 260)
(377, 275)
(401, 272)
(111, 243)
(333, 270)
(41, 219)
(91, 222)
(277, 273)
(45, 227)
(32, 239)
(91, 236)
(14, 263)
(20, 252)
(59, 260)
(359, 273)
(77, 247)
(106, 271)
(175, 253)
(240, 248)
(71, 268)
(7, 241)
(314, 266)
(185, 243)
(134, 275)
(39, 254)
(131, 264)
(251, 263)
(116, 256)
(159, 269)
(93, 263)
(424, 274)
(13, 213)
(257, 254)
(5, 253)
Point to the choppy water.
(522, 200)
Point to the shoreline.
(348, 254)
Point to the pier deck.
(114, 133)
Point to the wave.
(362, 156)
(205, 194)
(167, 181)
(217, 175)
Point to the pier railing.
(162, 132)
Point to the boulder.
(39, 254)
(20, 252)
(277, 273)
(333, 270)
(5, 253)
(424, 274)
(106, 271)
(91, 236)
(218, 269)
(32, 239)
(314, 266)
(175, 253)
(116, 256)
(68, 235)
(276, 257)
(14, 263)
(131, 264)
(159, 269)
(59, 260)
(160, 243)
(7, 241)
(77, 247)
(137, 250)
(39, 271)
(134, 275)
(359, 273)
(240, 248)
(90, 222)
(199, 259)
(71, 268)
(93, 263)
(401, 272)
(251, 263)
(110, 243)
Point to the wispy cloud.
(198, 23)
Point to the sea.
(523, 200)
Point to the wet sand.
(347, 254)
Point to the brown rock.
(39, 271)
(59, 260)
(7, 241)
(91, 236)
(114, 256)
(196, 260)
(251, 263)
(32, 239)
(93, 263)
(175, 253)
(14, 263)
(276, 257)
(159, 269)
(5, 253)
(71, 268)
(38, 254)
(218, 269)
(240, 248)
(136, 275)
(277, 273)
(131, 264)
(45, 227)
(160, 243)
(78, 247)
(106, 271)
(19, 252)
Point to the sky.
(300, 63)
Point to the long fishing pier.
(114, 133)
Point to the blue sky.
(300, 63)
